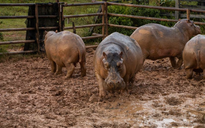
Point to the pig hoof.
(175, 67)
(57, 73)
(102, 93)
(189, 77)
(67, 77)
(178, 67)
(84, 74)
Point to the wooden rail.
(19, 17)
(91, 46)
(146, 6)
(82, 15)
(141, 17)
(17, 42)
(83, 4)
(84, 26)
(18, 52)
(122, 26)
(15, 4)
(23, 29)
(92, 37)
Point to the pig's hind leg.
(179, 62)
(189, 73)
(70, 69)
(204, 73)
(53, 66)
(59, 69)
(83, 69)
(173, 61)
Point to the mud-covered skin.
(117, 59)
(65, 49)
(194, 56)
(158, 41)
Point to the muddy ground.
(161, 97)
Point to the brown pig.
(117, 59)
(194, 56)
(65, 49)
(158, 41)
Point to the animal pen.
(35, 29)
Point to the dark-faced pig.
(65, 49)
(158, 41)
(117, 59)
(194, 56)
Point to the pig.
(116, 61)
(158, 41)
(194, 56)
(65, 49)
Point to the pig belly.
(161, 53)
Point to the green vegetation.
(120, 20)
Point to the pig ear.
(104, 54)
(121, 54)
(45, 32)
(179, 19)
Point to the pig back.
(65, 45)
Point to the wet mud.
(161, 97)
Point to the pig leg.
(189, 73)
(58, 70)
(173, 61)
(70, 68)
(101, 83)
(204, 73)
(53, 66)
(128, 83)
(83, 69)
(132, 81)
(179, 63)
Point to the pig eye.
(106, 64)
(119, 64)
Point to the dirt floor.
(161, 97)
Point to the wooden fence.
(104, 23)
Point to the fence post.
(74, 29)
(37, 27)
(188, 14)
(62, 17)
(103, 20)
(177, 3)
(59, 16)
(106, 20)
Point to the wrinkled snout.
(197, 29)
(114, 82)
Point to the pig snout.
(114, 82)
(197, 29)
